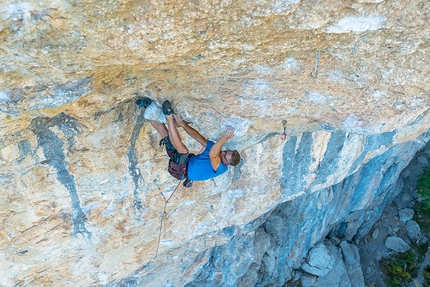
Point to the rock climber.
(209, 163)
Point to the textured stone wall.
(274, 247)
(81, 171)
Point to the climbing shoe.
(143, 102)
(167, 109)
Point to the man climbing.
(183, 164)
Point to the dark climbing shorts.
(177, 161)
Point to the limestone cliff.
(81, 170)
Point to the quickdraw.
(316, 66)
(284, 135)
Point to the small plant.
(400, 269)
(424, 183)
(425, 205)
(421, 250)
(426, 275)
(422, 214)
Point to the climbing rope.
(316, 66)
(164, 213)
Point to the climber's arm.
(215, 151)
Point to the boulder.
(321, 259)
(413, 230)
(378, 255)
(423, 160)
(406, 197)
(345, 272)
(406, 214)
(335, 240)
(351, 258)
(396, 244)
(375, 233)
(338, 276)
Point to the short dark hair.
(235, 158)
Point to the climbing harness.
(316, 66)
(166, 201)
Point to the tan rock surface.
(81, 172)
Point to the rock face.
(81, 170)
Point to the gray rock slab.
(351, 258)
(378, 255)
(308, 280)
(335, 240)
(320, 260)
(396, 244)
(413, 230)
(423, 160)
(406, 173)
(406, 214)
(375, 233)
(337, 276)
(406, 197)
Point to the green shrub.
(425, 205)
(422, 214)
(424, 183)
(426, 275)
(421, 250)
(401, 268)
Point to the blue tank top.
(200, 168)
